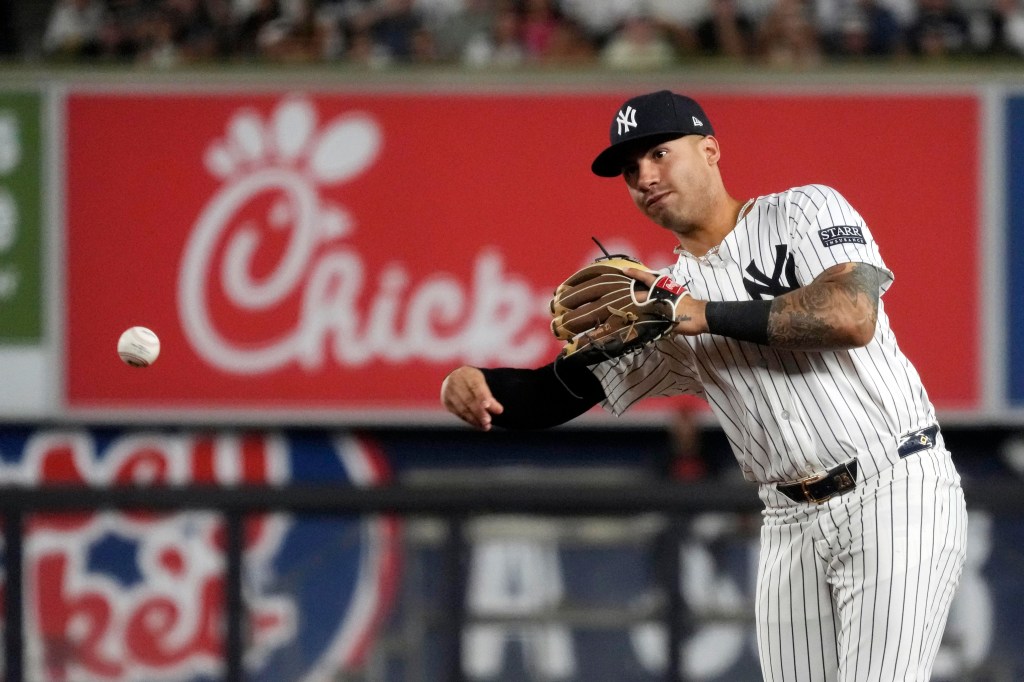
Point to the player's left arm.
(837, 310)
(831, 243)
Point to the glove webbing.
(630, 317)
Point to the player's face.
(672, 182)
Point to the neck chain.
(713, 251)
(743, 211)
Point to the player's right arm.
(465, 393)
(520, 398)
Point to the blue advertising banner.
(1015, 247)
(139, 597)
(583, 599)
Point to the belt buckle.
(843, 481)
(808, 495)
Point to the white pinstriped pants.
(858, 588)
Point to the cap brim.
(608, 163)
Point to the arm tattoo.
(840, 303)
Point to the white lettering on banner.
(512, 577)
(165, 622)
(10, 142)
(970, 628)
(518, 574)
(8, 219)
(10, 157)
(716, 603)
(347, 311)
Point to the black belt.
(838, 480)
(819, 488)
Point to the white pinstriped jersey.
(787, 414)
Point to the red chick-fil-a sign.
(345, 251)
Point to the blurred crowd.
(620, 34)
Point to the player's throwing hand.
(465, 394)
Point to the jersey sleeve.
(826, 230)
(664, 368)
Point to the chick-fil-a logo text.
(340, 308)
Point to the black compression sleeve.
(743, 320)
(540, 399)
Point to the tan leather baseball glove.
(602, 313)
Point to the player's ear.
(710, 149)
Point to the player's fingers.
(465, 394)
(645, 277)
(493, 406)
(481, 405)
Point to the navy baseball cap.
(645, 119)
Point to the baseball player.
(777, 321)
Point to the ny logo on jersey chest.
(759, 284)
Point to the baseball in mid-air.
(138, 347)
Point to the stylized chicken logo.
(268, 280)
(277, 167)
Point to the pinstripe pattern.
(857, 588)
(787, 414)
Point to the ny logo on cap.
(626, 120)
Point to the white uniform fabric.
(857, 588)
